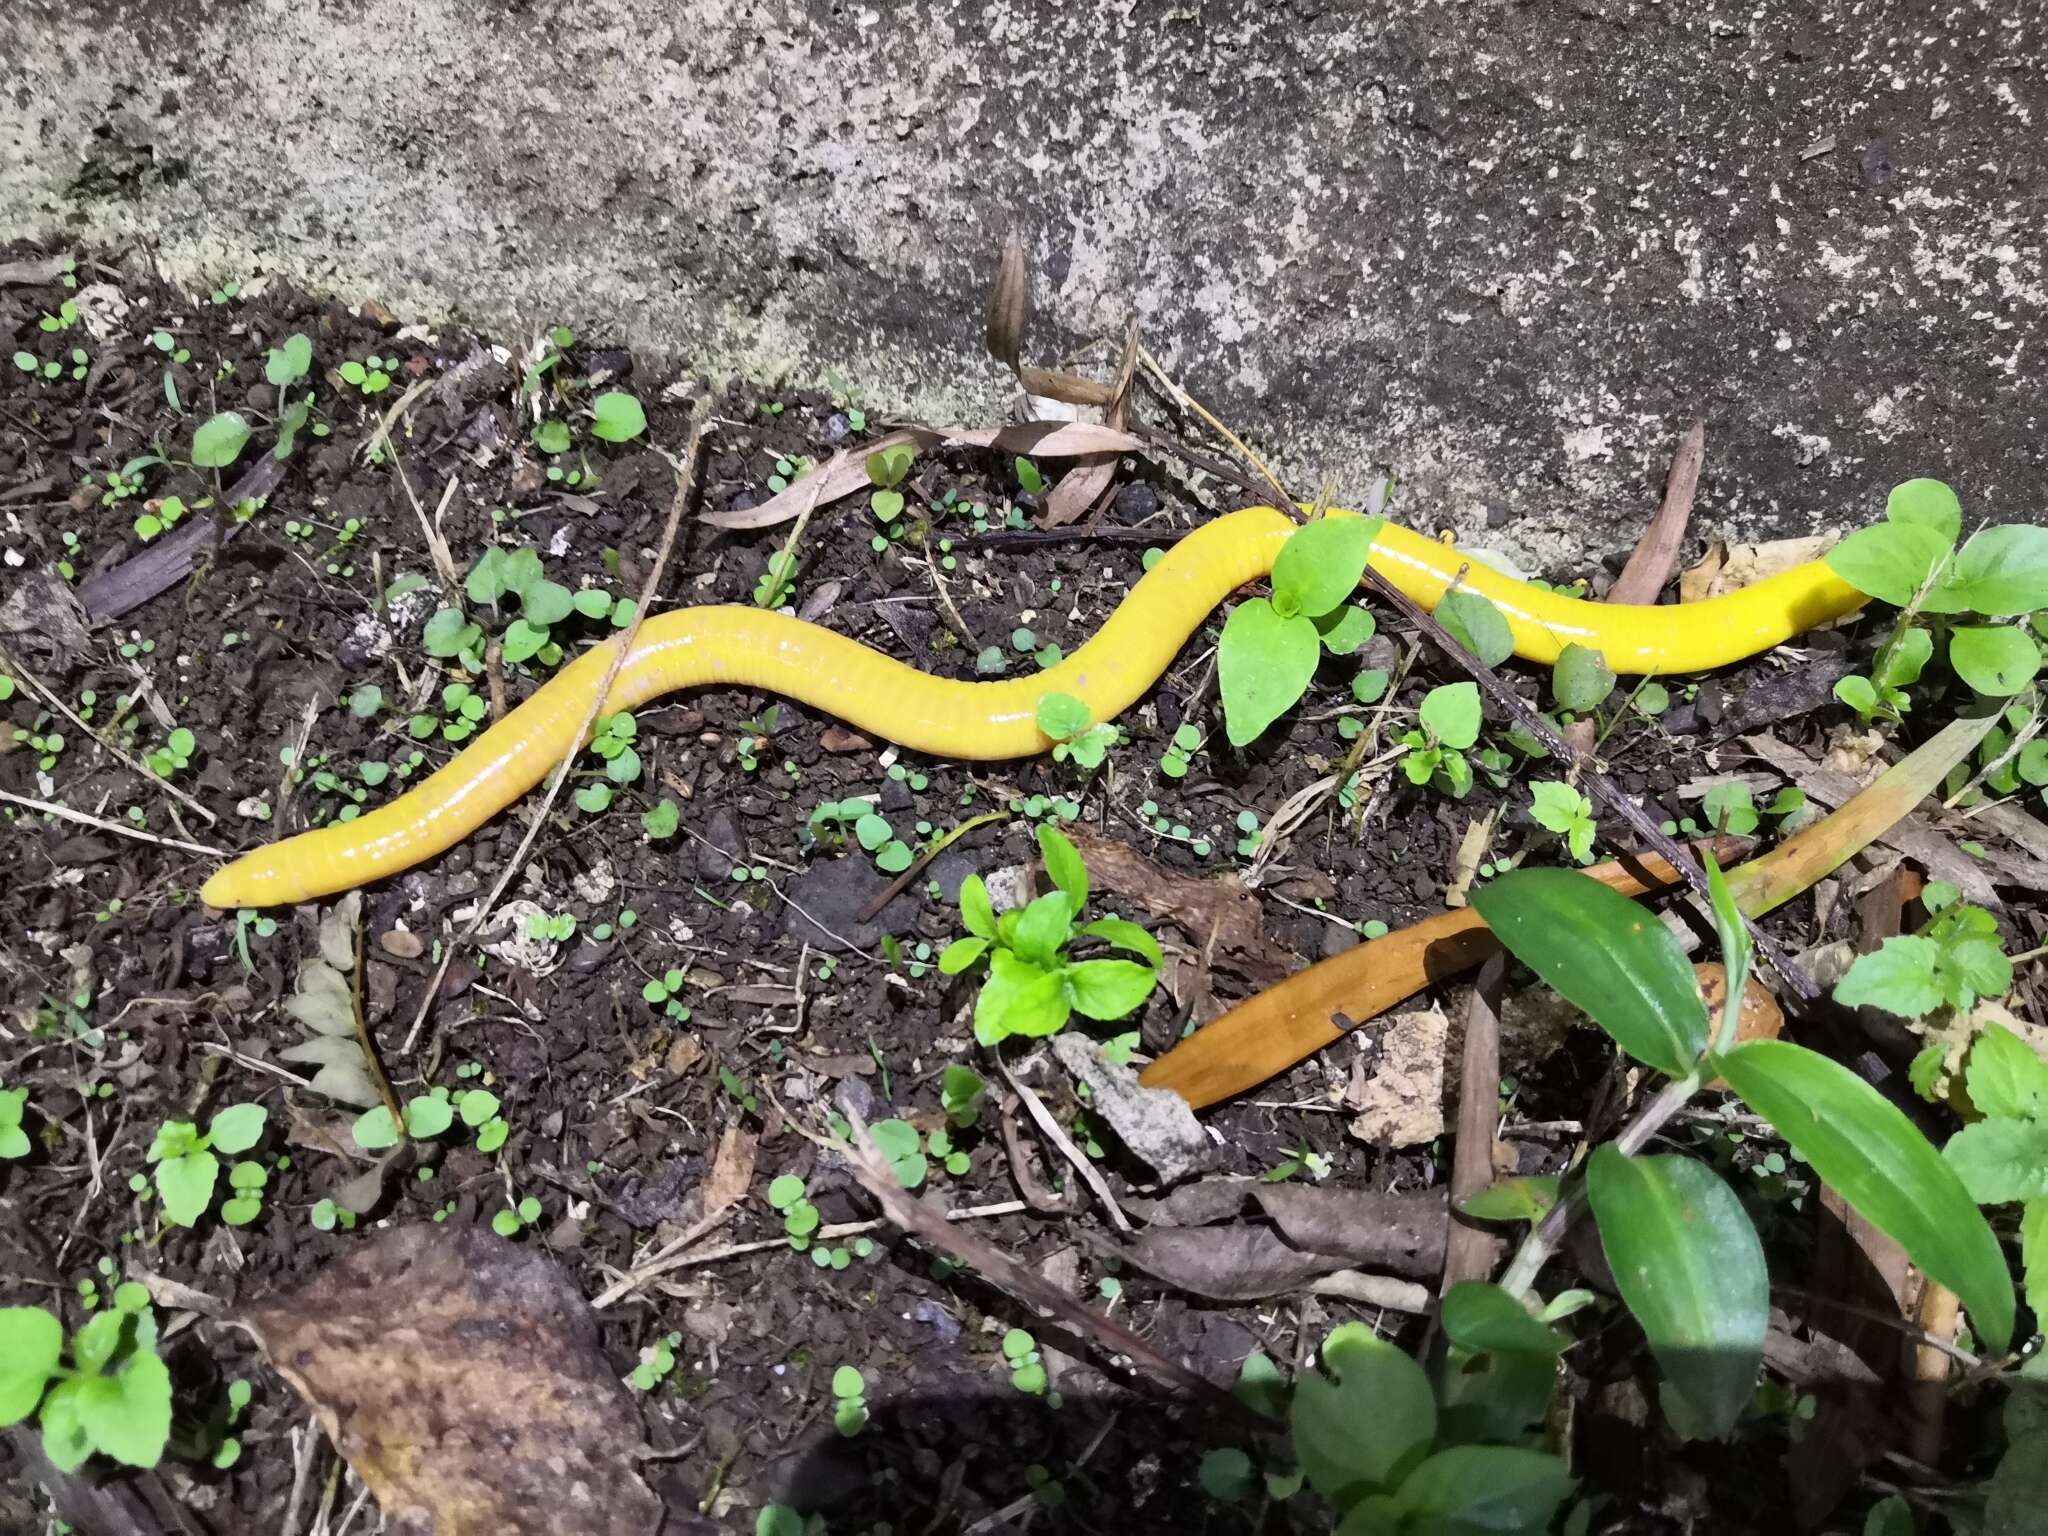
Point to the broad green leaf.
(1043, 927)
(976, 910)
(1064, 865)
(1345, 628)
(1996, 660)
(448, 633)
(238, 1127)
(31, 1343)
(1451, 713)
(428, 1115)
(218, 442)
(1260, 1386)
(1872, 1155)
(1320, 565)
(542, 603)
(1361, 1432)
(1581, 680)
(476, 1106)
(65, 1441)
(1556, 805)
(1121, 933)
(2001, 1160)
(872, 831)
(1109, 989)
(897, 1141)
(1928, 503)
(1858, 693)
(186, 1185)
(128, 1415)
(1526, 1198)
(283, 364)
(1688, 1263)
(617, 417)
(1227, 1474)
(1019, 998)
(375, 1129)
(1487, 1320)
(1888, 560)
(1476, 624)
(1898, 976)
(2018, 1490)
(1603, 953)
(1263, 665)
(2000, 573)
(2005, 1077)
(2034, 1254)
(1907, 658)
(1470, 1489)
(1062, 716)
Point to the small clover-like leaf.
(617, 417)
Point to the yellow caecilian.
(750, 648)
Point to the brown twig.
(1656, 554)
(1090, 1174)
(928, 1225)
(1472, 1250)
(101, 824)
(686, 481)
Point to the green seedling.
(219, 440)
(428, 1115)
(617, 417)
(887, 470)
(65, 317)
(371, 376)
(1449, 723)
(613, 743)
(1027, 1365)
(961, 1092)
(46, 743)
(662, 821)
(1581, 682)
(800, 1218)
(1269, 649)
(849, 1401)
(664, 992)
(285, 365)
(1032, 987)
(1559, 808)
(1175, 760)
(187, 1170)
(1066, 722)
(657, 1360)
(114, 1395)
(175, 755)
(2002, 1158)
(560, 926)
(14, 1142)
(161, 516)
(1030, 477)
(515, 1219)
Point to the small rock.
(1400, 1100)
(1136, 502)
(1156, 1124)
(837, 427)
(725, 847)
(1497, 515)
(836, 738)
(403, 943)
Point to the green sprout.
(113, 1398)
(187, 1170)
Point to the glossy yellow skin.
(750, 648)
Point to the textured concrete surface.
(1505, 249)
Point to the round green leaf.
(2001, 572)
(1928, 503)
(127, 1415)
(847, 1381)
(374, 1130)
(218, 442)
(1062, 716)
(476, 1106)
(185, 1185)
(1359, 1433)
(1581, 681)
(1109, 989)
(542, 603)
(784, 1191)
(1603, 953)
(1474, 1488)
(31, 1343)
(1476, 624)
(618, 417)
(1486, 1319)
(1996, 660)
(1263, 664)
(1451, 713)
(1688, 1263)
(1227, 1474)
(1888, 560)
(238, 1127)
(1320, 565)
(1345, 628)
(1862, 1145)
(428, 1115)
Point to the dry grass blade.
(932, 1228)
(847, 472)
(101, 824)
(1656, 556)
(1472, 1249)
(1267, 1034)
(1089, 481)
(1050, 1127)
(1009, 304)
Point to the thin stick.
(1471, 1250)
(14, 667)
(1090, 1174)
(65, 813)
(1649, 566)
(686, 480)
(1189, 403)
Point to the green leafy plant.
(1032, 987)
(1910, 560)
(1026, 1363)
(14, 1142)
(1476, 624)
(219, 440)
(961, 1091)
(887, 470)
(186, 1168)
(114, 1395)
(617, 417)
(2002, 1157)
(371, 376)
(1078, 740)
(1681, 1246)
(286, 364)
(514, 1219)
(1175, 760)
(657, 1360)
(1448, 725)
(1560, 808)
(175, 755)
(162, 515)
(849, 1400)
(800, 1218)
(665, 992)
(1269, 648)
(613, 743)
(1955, 958)
(1581, 682)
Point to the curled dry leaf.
(324, 1001)
(461, 1378)
(1009, 304)
(1218, 914)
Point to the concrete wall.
(1506, 249)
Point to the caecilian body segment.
(946, 717)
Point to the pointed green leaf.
(1603, 953)
(1109, 989)
(1476, 624)
(1888, 560)
(185, 1185)
(1688, 1263)
(1487, 1320)
(976, 910)
(1863, 1146)
(1063, 863)
(31, 1343)
(1320, 565)
(238, 1127)
(1263, 665)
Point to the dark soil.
(130, 1003)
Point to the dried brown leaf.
(1009, 304)
(1650, 565)
(1218, 914)
(461, 1378)
(1399, 1232)
(1248, 1261)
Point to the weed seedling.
(187, 1170)
(799, 1217)
(1066, 722)
(887, 470)
(1449, 719)
(114, 1397)
(14, 1142)
(1027, 1365)
(849, 1401)
(514, 1219)
(175, 755)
